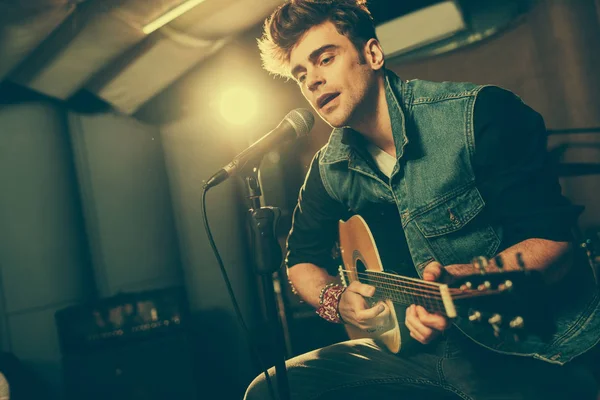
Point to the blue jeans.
(450, 368)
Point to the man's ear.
(374, 54)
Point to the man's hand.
(424, 326)
(355, 310)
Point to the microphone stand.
(267, 260)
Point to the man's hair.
(288, 23)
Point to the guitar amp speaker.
(133, 347)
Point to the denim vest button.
(453, 218)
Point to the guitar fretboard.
(400, 290)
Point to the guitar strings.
(426, 287)
(412, 290)
(393, 279)
(419, 288)
(428, 298)
(411, 297)
(430, 303)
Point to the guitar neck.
(403, 290)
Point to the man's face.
(332, 78)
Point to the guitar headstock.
(510, 304)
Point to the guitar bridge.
(342, 276)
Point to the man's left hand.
(423, 325)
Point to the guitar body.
(359, 251)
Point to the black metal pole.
(267, 261)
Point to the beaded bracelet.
(329, 285)
(329, 303)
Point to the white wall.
(44, 263)
(126, 202)
(85, 212)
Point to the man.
(443, 172)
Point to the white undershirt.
(384, 161)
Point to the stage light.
(238, 105)
(170, 15)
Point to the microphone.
(296, 123)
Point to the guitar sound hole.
(361, 269)
(360, 266)
(363, 277)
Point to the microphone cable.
(236, 307)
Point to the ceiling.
(60, 47)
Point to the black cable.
(236, 307)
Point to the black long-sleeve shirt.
(512, 173)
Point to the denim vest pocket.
(455, 229)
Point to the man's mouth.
(324, 99)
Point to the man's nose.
(314, 81)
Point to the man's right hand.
(355, 310)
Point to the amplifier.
(122, 319)
(133, 346)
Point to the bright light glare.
(238, 105)
(170, 15)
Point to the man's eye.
(301, 78)
(326, 60)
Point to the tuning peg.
(481, 264)
(507, 285)
(475, 316)
(466, 286)
(484, 286)
(517, 323)
(495, 319)
(587, 244)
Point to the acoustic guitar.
(495, 309)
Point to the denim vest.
(433, 186)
